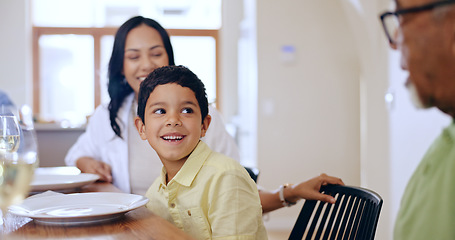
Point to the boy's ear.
(140, 126)
(205, 125)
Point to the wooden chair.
(354, 215)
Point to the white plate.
(78, 208)
(62, 170)
(44, 182)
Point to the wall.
(309, 108)
(371, 51)
(15, 45)
(231, 16)
(55, 143)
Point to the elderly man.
(424, 32)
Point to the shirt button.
(172, 205)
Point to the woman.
(140, 46)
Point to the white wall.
(371, 50)
(15, 45)
(232, 14)
(309, 109)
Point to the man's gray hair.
(440, 13)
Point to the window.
(72, 43)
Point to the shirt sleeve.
(88, 144)
(235, 210)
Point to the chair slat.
(360, 215)
(323, 230)
(302, 220)
(323, 219)
(344, 221)
(314, 223)
(333, 217)
(339, 219)
(367, 221)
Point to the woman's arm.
(86, 150)
(309, 190)
(90, 165)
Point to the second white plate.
(44, 182)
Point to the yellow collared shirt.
(211, 197)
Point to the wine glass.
(18, 157)
(9, 134)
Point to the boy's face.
(172, 122)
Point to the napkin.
(45, 194)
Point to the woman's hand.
(90, 165)
(310, 189)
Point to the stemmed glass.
(18, 155)
(9, 134)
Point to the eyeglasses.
(391, 23)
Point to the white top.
(142, 159)
(100, 142)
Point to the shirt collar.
(186, 175)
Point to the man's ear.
(205, 125)
(140, 126)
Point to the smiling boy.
(204, 193)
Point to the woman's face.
(144, 52)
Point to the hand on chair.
(310, 189)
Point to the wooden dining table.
(135, 224)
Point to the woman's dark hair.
(172, 74)
(118, 87)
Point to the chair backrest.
(254, 173)
(355, 215)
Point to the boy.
(204, 193)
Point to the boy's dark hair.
(172, 74)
